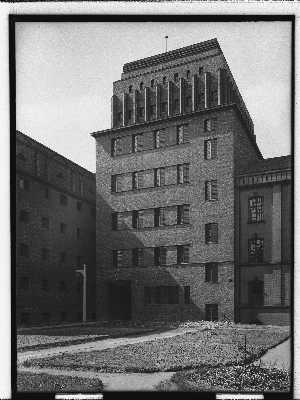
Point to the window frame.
(258, 213)
(117, 258)
(182, 134)
(256, 298)
(116, 147)
(214, 311)
(183, 214)
(208, 233)
(211, 272)
(260, 253)
(63, 200)
(183, 174)
(210, 124)
(211, 190)
(159, 217)
(183, 254)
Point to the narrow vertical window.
(137, 219)
(187, 296)
(214, 95)
(137, 257)
(130, 89)
(211, 233)
(211, 272)
(176, 77)
(159, 177)
(81, 188)
(256, 292)
(176, 104)
(24, 184)
(152, 83)
(160, 216)
(183, 254)
(117, 258)
(183, 214)
(137, 180)
(116, 183)
(210, 124)
(164, 106)
(152, 109)
(188, 74)
(137, 142)
(160, 256)
(159, 138)
(182, 134)
(183, 173)
(141, 85)
(211, 312)
(210, 149)
(116, 148)
(211, 190)
(117, 221)
(256, 250)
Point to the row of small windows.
(159, 214)
(24, 184)
(164, 79)
(256, 246)
(24, 285)
(45, 254)
(265, 178)
(160, 138)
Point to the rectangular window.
(63, 200)
(137, 142)
(81, 188)
(187, 295)
(152, 83)
(137, 219)
(116, 183)
(152, 109)
(79, 206)
(176, 77)
(117, 258)
(93, 212)
(188, 101)
(63, 317)
(161, 295)
(119, 117)
(256, 250)
(183, 254)
(117, 221)
(137, 180)
(256, 292)
(256, 209)
(45, 254)
(210, 125)
(24, 184)
(211, 190)
(160, 256)
(160, 216)
(159, 176)
(63, 228)
(182, 134)
(183, 214)
(188, 74)
(211, 312)
(24, 216)
(24, 250)
(46, 193)
(130, 114)
(24, 283)
(211, 272)
(63, 257)
(210, 149)
(137, 257)
(211, 233)
(176, 104)
(164, 106)
(183, 173)
(45, 223)
(45, 284)
(79, 261)
(63, 286)
(160, 138)
(79, 233)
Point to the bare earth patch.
(212, 345)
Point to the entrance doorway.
(119, 300)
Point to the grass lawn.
(28, 382)
(39, 338)
(209, 347)
(234, 378)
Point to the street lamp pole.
(83, 272)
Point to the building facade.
(264, 242)
(167, 198)
(55, 236)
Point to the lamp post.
(83, 272)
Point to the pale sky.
(65, 74)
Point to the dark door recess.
(119, 301)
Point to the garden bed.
(28, 382)
(234, 378)
(211, 346)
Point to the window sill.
(256, 222)
(208, 243)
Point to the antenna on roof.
(166, 43)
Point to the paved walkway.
(279, 357)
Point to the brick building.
(55, 235)
(166, 194)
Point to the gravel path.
(278, 357)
